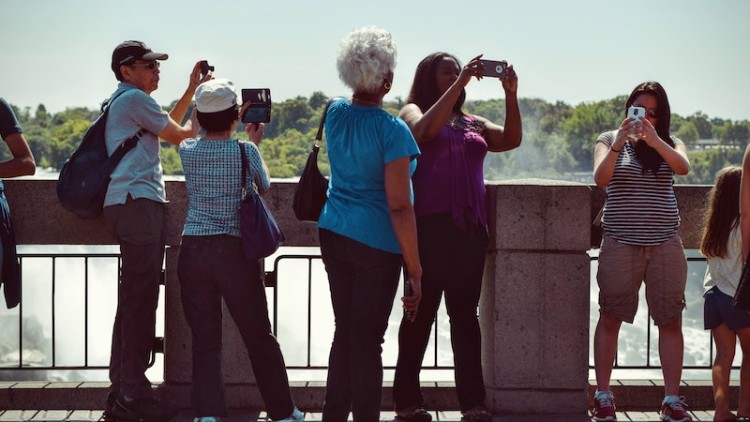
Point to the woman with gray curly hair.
(367, 228)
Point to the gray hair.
(365, 58)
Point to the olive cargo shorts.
(622, 268)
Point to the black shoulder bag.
(310, 195)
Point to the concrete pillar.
(534, 310)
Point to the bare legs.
(671, 350)
(725, 341)
(605, 349)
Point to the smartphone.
(493, 68)
(260, 105)
(205, 67)
(636, 113)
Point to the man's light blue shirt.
(139, 173)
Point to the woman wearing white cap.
(212, 264)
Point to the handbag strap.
(244, 164)
(319, 135)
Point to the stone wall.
(534, 307)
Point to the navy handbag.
(261, 235)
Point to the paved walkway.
(245, 416)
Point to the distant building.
(706, 143)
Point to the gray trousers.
(139, 225)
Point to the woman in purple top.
(449, 202)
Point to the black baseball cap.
(129, 51)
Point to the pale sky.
(58, 52)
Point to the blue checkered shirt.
(212, 175)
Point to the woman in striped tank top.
(641, 244)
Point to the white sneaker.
(296, 416)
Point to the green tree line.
(558, 139)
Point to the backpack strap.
(129, 143)
(126, 146)
(106, 104)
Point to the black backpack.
(85, 177)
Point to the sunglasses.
(650, 112)
(153, 64)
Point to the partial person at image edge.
(721, 244)
(21, 164)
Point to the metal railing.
(53, 340)
(59, 278)
(275, 281)
(271, 280)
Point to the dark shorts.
(717, 308)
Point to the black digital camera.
(205, 67)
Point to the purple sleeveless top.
(450, 174)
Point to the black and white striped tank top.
(641, 208)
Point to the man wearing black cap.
(134, 210)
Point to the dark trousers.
(453, 264)
(363, 283)
(10, 271)
(211, 268)
(139, 226)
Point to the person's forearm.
(183, 104)
(22, 166)
(22, 163)
(676, 160)
(605, 159)
(513, 127)
(433, 119)
(405, 227)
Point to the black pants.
(211, 268)
(139, 226)
(453, 264)
(10, 272)
(363, 282)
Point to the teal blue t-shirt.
(361, 141)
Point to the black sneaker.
(476, 414)
(108, 415)
(145, 410)
(413, 414)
